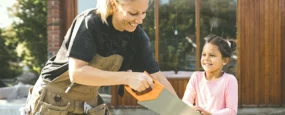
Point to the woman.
(98, 50)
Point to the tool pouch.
(101, 109)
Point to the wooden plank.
(256, 50)
(185, 82)
(122, 99)
(282, 8)
(114, 97)
(251, 49)
(175, 85)
(157, 30)
(247, 53)
(197, 19)
(242, 51)
(261, 53)
(272, 70)
(71, 10)
(274, 82)
(279, 47)
(241, 42)
(277, 53)
(126, 99)
(267, 67)
(271, 57)
(239, 78)
(180, 88)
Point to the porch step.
(12, 108)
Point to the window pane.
(177, 35)
(219, 17)
(86, 4)
(149, 25)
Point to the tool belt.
(53, 98)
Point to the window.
(177, 39)
(86, 4)
(219, 17)
(177, 35)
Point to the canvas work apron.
(52, 97)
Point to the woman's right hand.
(139, 81)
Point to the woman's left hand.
(201, 110)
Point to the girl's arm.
(231, 99)
(190, 92)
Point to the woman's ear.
(114, 5)
(226, 61)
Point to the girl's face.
(212, 60)
(128, 15)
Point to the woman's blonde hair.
(105, 9)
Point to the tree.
(7, 55)
(176, 22)
(4, 57)
(31, 31)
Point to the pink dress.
(219, 97)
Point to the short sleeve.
(145, 55)
(83, 45)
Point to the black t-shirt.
(95, 37)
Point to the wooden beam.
(238, 50)
(157, 30)
(70, 12)
(282, 11)
(197, 18)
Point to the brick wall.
(54, 23)
(60, 16)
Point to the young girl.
(213, 92)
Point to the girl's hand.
(139, 81)
(201, 110)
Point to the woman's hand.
(201, 110)
(139, 81)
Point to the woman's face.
(128, 15)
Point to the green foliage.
(4, 56)
(31, 32)
(177, 15)
(7, 56)
(218, 17)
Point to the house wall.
(282, 5)
(60, 16)
(259, 35)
